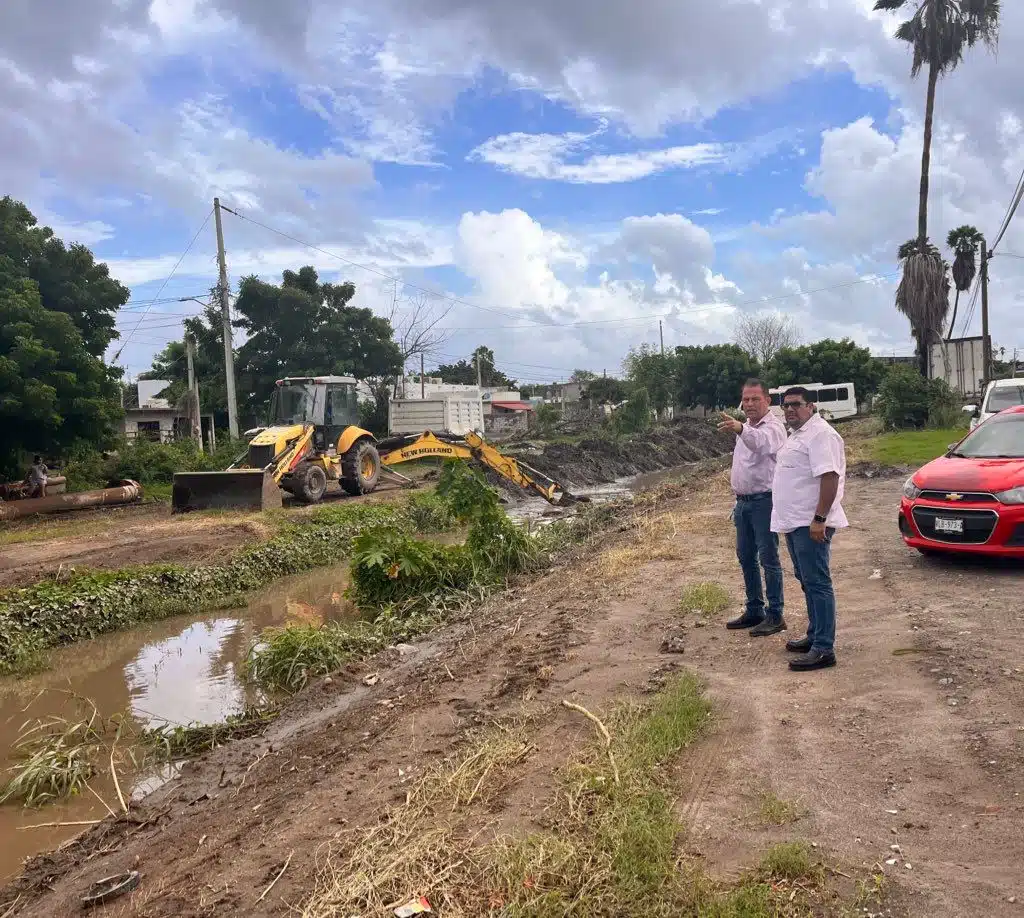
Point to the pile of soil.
(599, 461)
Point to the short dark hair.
(805, 394)
(755, 383)
(37, 458)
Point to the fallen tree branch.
(593, 718)
(273, 882)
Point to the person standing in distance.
(810, 478)
(753, 468)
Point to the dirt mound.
(596, 461)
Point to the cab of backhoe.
(329, 403)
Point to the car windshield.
(1002, 397)
(998, 437)
(292, 404)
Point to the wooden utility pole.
(423, 382)
(661, 335)
(986, 341)
(225, 314)
(195, 417)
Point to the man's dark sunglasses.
(793, 405)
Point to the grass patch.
(170, 743)
(706, 598)
(912, 447)
(789, 861)
(654, 537)
(53, 759)
(772, 810)
(287, 658)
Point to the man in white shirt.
(753, 467)
(810, 477)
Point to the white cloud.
(545, 156)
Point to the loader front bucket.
(237, 489)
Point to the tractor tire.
(360, 468)
(309, 482)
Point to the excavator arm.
(428, 445)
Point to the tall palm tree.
(924, 271)
(964, 242)
(938, 32)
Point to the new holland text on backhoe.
(314, 438)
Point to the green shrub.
(906, 400)
(389, 566)
(430, 512)
(634, 416)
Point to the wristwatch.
(818, 518)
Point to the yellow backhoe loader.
(314, 438)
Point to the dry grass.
(654, 536)
(772, 810)
(417, 848)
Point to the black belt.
(760, 496)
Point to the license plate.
(944, 524)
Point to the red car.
(972, 499)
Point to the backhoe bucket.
(237, 489)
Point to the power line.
(1015, 200)
(167, 280)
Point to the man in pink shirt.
(758, 441)
(809, 482)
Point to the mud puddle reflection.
(183, 670)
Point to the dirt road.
(877, 764)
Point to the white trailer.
(455, 414)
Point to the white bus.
(835, 400)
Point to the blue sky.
(534, 167)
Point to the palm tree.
(964, 242)
(938, 32)
(924, 271)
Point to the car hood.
(951, 473)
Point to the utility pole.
(195, 417)
(479, 374)
(423, 382)
(225, 314)
(661, 335)
(986, 341)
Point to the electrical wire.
(1015, 200)
(167, 280)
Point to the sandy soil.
(872, 753)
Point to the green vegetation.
(706, 598)
(908, 401)
(172, 743)
(772, 810)
(53, 759)
(912, 447)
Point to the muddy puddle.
(183, 670)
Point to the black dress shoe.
(744, 621)
(768, 627)
(799, 645)
(813, 659)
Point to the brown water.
(179, 671)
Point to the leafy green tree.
(68, 278)
(56, 396)
(938, 32)
(605, 390)
(647, 368)
(304, 328)
(464, 372)
(712, 376)
(828, 361)
(635, 415)
(582, 376)
(906, 400)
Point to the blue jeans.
(757, 547)
(811, 566)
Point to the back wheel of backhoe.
(309, 482)
(360, 468)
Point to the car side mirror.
(972, 410)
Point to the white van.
(834, 400)
(999, 395)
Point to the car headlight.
(1013, 496)
(910, 489)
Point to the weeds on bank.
(170, 743)
(706, 598)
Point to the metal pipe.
(128, 492)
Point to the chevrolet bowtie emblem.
(954, 496)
